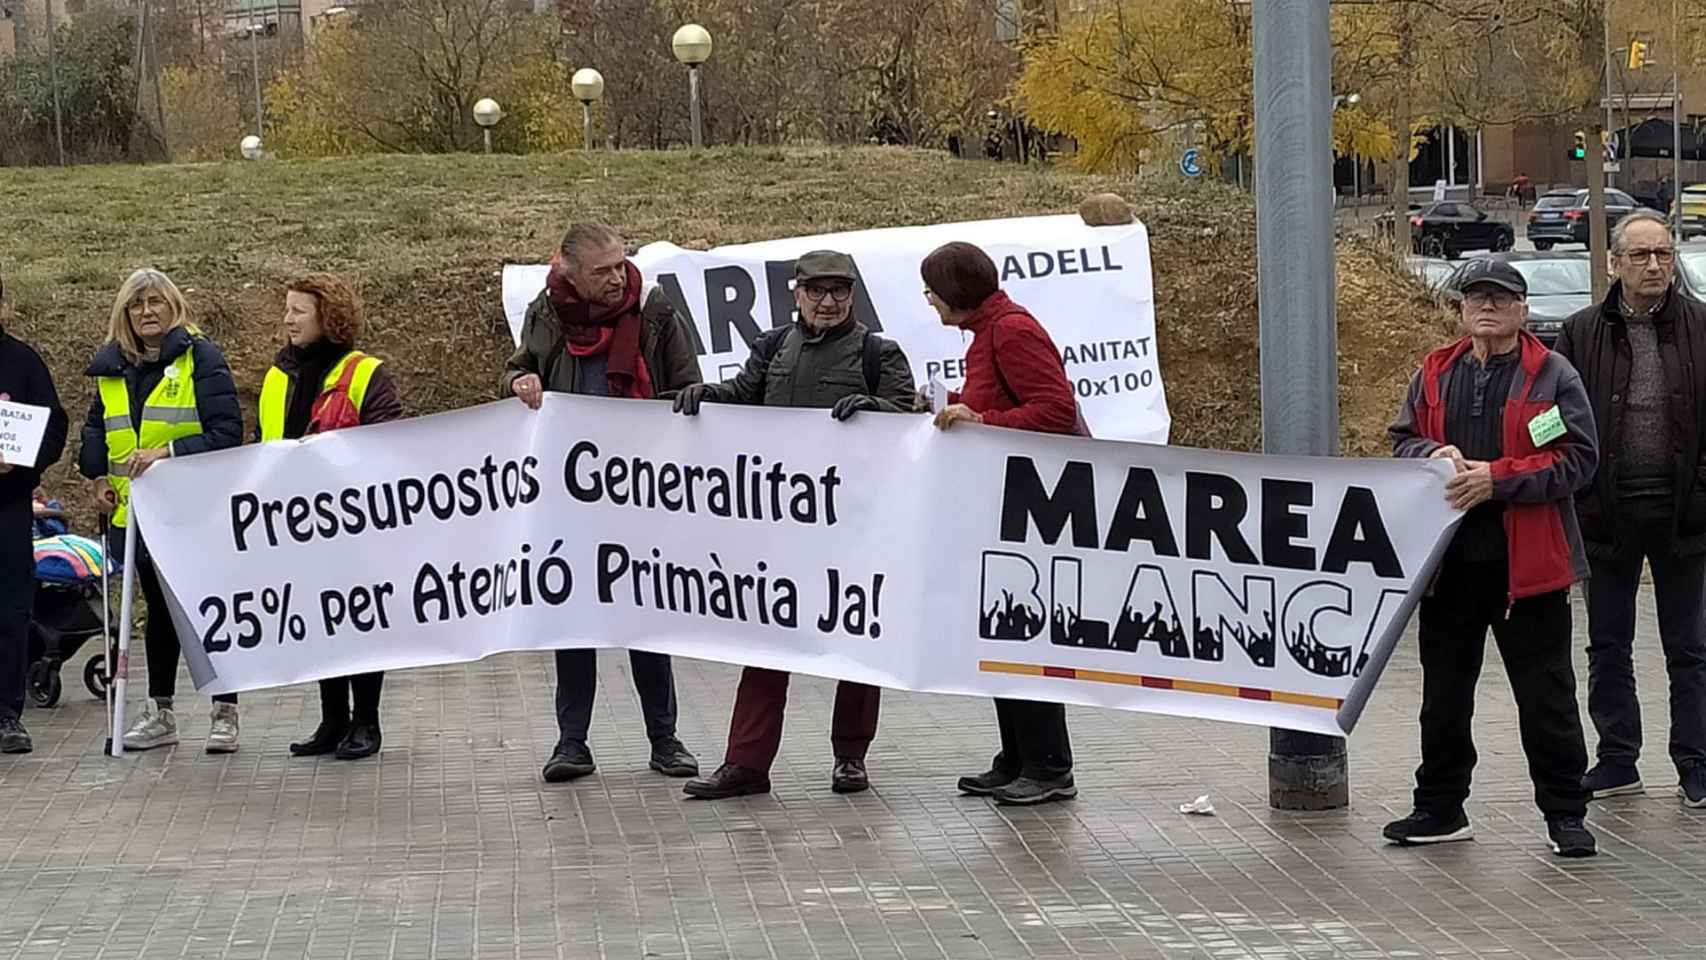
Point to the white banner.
(1264, 590)
(1089, 286)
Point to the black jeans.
(1034, 742)
(17, 597)
(577, 684)
(1678, 594)
(1534, 642)
(335, 698)
(160, 640)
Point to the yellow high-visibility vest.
(275, 390)
(168, 414)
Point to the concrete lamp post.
(588, 85)
(251, 147)
(692, 45)
(487, 113)
(1351, 100)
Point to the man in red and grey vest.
(1514, 421)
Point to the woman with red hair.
(1014, 379)
(318, 382)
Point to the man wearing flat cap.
(1514, 420)
(824, 359)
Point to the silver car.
(1691, 269)
(1559, 285)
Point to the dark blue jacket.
(215, 398)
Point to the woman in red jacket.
(321, 382)
(1014, 378)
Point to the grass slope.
(425, 238)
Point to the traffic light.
(1581, 151)
(1637, 54)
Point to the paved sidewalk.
(449, 846)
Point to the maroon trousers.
(755, 730)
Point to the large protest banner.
(1089, 286)
(1264, 590)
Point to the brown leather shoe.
(728, 781)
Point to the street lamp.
(692, 45)
(250, 147)
(487, 113)
(253, 33)
(1351, 100)
(588, 85)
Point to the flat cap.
(825, 265)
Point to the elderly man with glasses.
(1512, 418)
(824, 359)
(1642, 357)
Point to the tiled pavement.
(449, 845)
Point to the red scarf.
(591, 330)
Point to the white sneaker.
(157, 727)
(222, 737)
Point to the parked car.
(1434, 272)
(1559, 285)
(1449, 228)
(1691, 269)
(1690, 209)
(1561, 216)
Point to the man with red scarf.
(598, 330)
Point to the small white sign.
(21, 429)
(938, 395)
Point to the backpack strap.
(873, 362)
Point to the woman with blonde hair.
(162, 390)
(319, 382)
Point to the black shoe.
(1422, 827)
(362, 741)
(570, 761)
(13, 737)
(671, 759)
(849, 776)
(325, 739)
(1026, 791)
(1570, 837)
(1609, 778)
(1692, 789)
(728, 781)
(986, 783)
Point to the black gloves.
(688, 400)
(848, 406)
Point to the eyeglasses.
(839, 293)
(139, 303)
(1660, 255)
(1497, 299)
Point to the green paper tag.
(1546, 428)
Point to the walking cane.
(107, 628)
(121, 664)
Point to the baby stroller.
(70, 608)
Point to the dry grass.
(425, 238)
